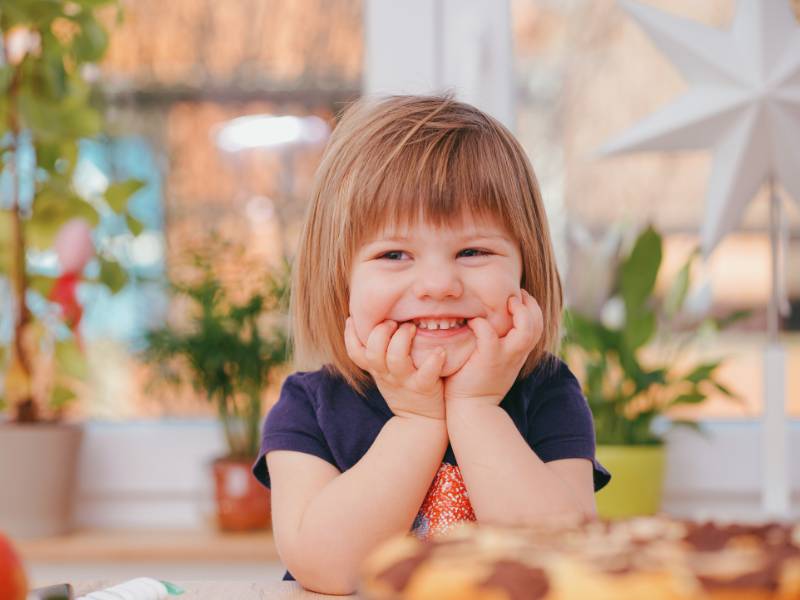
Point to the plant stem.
(253, 420)
(226, 425)
(24, 407)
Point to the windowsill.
(103, 545)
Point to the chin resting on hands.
(496, 361)
(387, 357)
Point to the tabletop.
(229, 590)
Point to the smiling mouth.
(458, 328)
(447, 324)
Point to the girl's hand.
(495, 363)
(407, 390)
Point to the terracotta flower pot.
(243, 504)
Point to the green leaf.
(693, 425)
(119, 192)
(690, 398)
(732, 318)
(702, 372)
(134, 224)
(92, 4)
(639, 271)
(78, 208)
(730, 395)
(5, 241)
(725, 390)
(586, 333)
(676, 295)
(59, 158)
(640, 428)
(61, 397)
(91, 43)
(54, 121)
(631, 367)
(40, 13)
(639, 329)
(52, 67)
(41, 284)
(6, 75)
(113, 275)
(41, 233)
(70, 359)
(51, 211)
(4, 102)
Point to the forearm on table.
(377, 498)
(507, 482)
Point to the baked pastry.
(737, 561)
(650, 558)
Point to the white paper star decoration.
(744, 101)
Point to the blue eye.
(477, 252)
(395, 255)
(392, 254)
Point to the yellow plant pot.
(637, 479)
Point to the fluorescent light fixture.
(268, 131)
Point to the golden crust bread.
(653, 558)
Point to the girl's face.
(428, 275)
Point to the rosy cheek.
(362, 320)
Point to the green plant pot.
(637, 479)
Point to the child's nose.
(436, 282)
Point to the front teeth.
(432, 324)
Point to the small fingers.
(398, 353)
(431, 367)
(536, 315)
(485, 334)
(528, 323)
(377, 344)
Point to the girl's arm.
(507, 482)
(325, 522)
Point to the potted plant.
(46, 108)
(228, 350)
(631, 359)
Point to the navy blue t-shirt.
(319, 413)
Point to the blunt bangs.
(439, 177)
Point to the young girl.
(426, 288)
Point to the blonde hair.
(395, 161)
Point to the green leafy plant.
(46, 107)
(227, 350)
(625, 390)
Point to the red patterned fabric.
(446, 504)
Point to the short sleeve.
(291, 424)
(561, 424)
